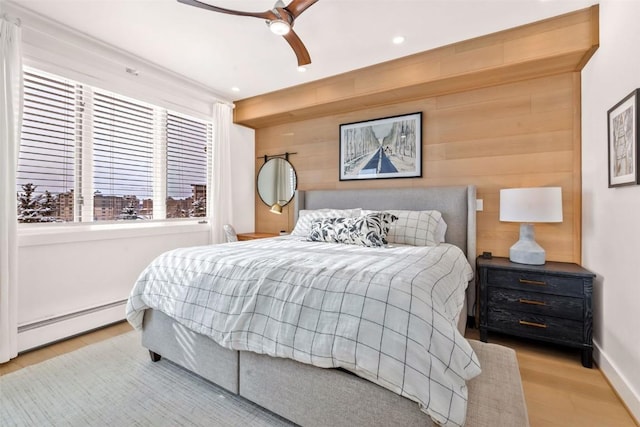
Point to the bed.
(295, 383)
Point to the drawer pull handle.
(532, 302)
(531, 282)
(537, 325)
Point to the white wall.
(75, 278)
(611, 216)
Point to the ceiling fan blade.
(298, 47)
(268, 15)
(296, 7)
(278, 13)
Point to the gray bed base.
(301, 393)
(311, 396)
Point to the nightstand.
(253, 236)
(550, 302)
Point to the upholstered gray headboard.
(457, 205)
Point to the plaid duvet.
(386, 314)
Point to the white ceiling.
(222, 51)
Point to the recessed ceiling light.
(302, 69)
(398, 40)
(235, 89)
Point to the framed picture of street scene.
(389, 147)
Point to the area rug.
(114, 383)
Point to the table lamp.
(526, 206)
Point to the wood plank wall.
(513, 135)
(501, 118)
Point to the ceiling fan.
(280, 20)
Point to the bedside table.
(550, 302)
(253, 236)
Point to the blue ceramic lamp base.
(526, 250)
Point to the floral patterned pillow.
(385, 222)
(367, 230)
(306, 217)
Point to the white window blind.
(46, 166)
(123, 139)
(121, 154)
(187, 142)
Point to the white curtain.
(219, 190)
(10, 123)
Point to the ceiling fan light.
(279, 27)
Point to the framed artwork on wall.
(623, 141)
(389, 147)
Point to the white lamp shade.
(540, 204)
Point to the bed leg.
(155, 357)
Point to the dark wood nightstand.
(253, 236)
(550, 302)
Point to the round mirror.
(277, 182)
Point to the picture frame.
(622, 129)
(388, 147)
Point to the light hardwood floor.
(558, 390)
(36, 356)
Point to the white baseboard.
(630, 398)
(43, 333)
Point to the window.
(46, 166)
(123, 139)
(91, 155)
(187, 142)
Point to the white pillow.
(417, 228)
(306, 217)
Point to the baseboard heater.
(44, 332)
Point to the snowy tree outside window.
(35, 208)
